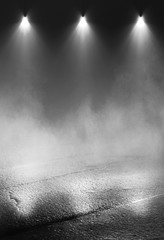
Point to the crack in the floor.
(15, 200)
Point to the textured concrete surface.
(121, 200)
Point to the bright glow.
(83, 23)
(83, 31)
(25, 25)
(141, 34)
(140, 23)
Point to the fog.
(59, 104)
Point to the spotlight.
(141, 33)
(25, 25)
(140, 22)
(82, 23)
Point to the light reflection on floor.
(85, 192)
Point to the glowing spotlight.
(141, 34)
(25, 25)
(83, 23)
(83, 32)
(140, 23)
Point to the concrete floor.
(120, 200)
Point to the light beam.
(141, 34)
(83, 23)
(140, 23)
(25, 25)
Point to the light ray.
(25, 25)
(140, 23)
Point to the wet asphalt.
(120, 200)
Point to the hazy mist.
(74, 99)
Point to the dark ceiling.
(60, 14)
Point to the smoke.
(119, 112)
(26, 136)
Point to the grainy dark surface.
(122, 200)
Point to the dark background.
(105, 14)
